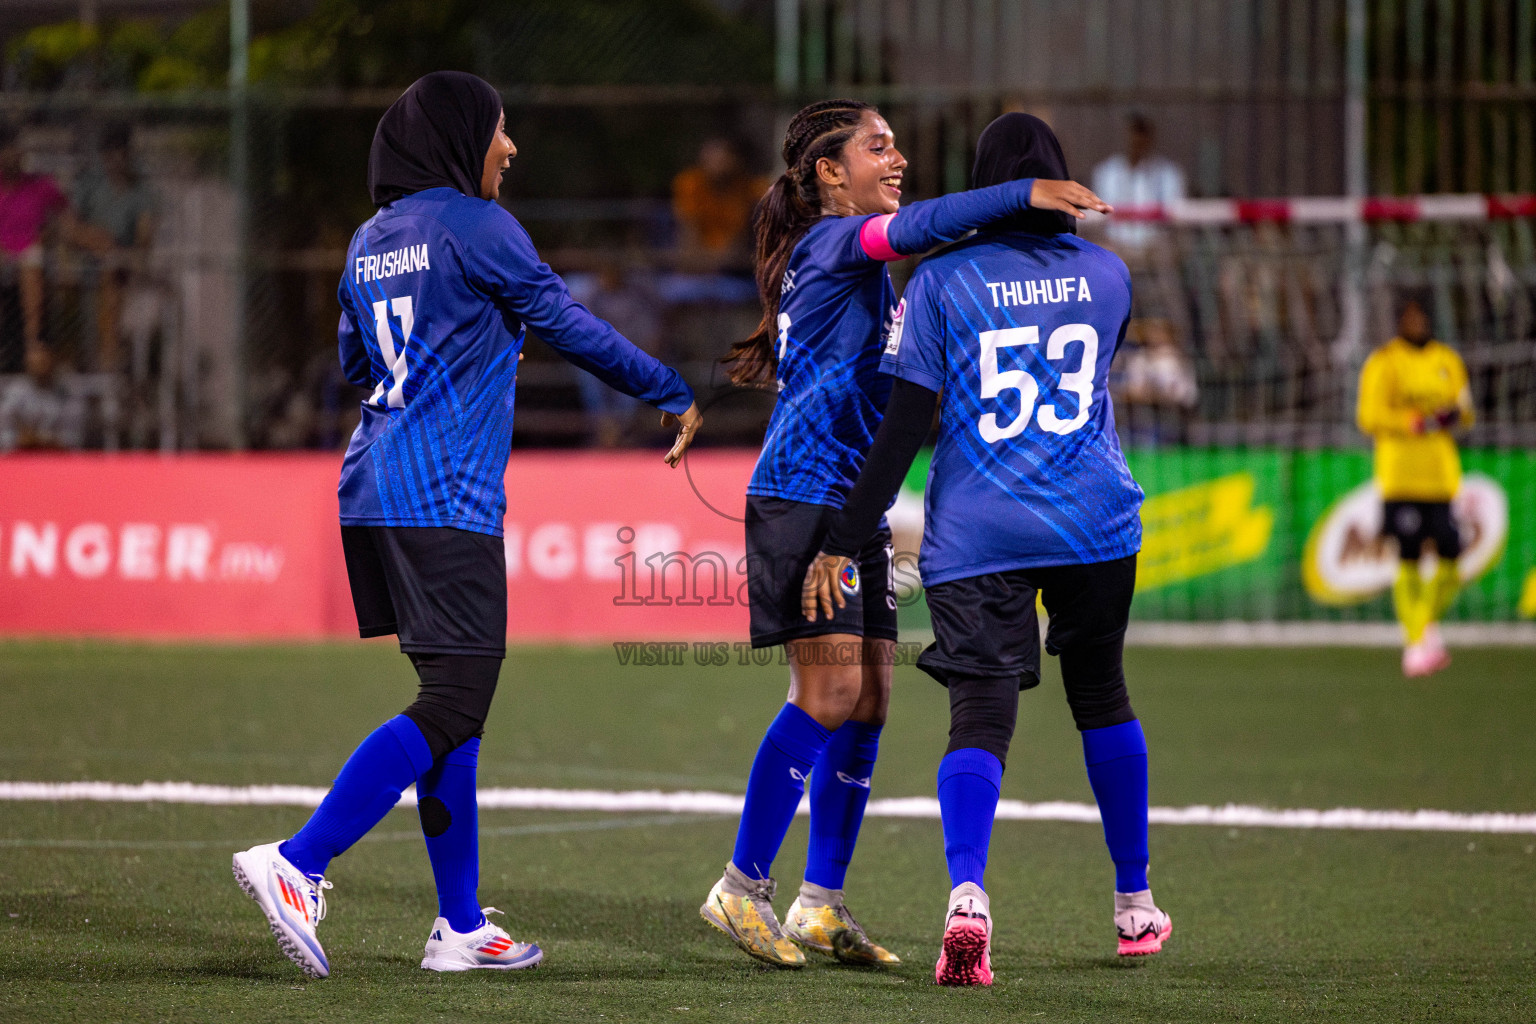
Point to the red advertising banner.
(156, 547)
(599, 547)
(619, 547)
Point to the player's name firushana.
(396, 261)
(1028, 293)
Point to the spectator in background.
(36, 413)
(1137, 177)
(117, 214)
(1156, 385)
(28, 202)
(631, 309)
(713, 202)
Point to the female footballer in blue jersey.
(825, 231)
(438, 288)
(1028, 492)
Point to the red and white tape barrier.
(1332, 210)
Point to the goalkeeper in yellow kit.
(1413, 396)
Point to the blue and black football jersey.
(1017, 331)
(437, 290)
(835, 303)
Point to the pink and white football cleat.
(486, 947)
(1424, 658)
(1141, 926)
(966, 956)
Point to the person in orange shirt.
(713, 202)
(1413, 396)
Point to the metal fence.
(1249, 96)
(1260, 312)
(219, 331)
(194, 340)
(1257, 312)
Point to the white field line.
(536, 829)
(1320, 634)
(1234, 633)
(693, 802)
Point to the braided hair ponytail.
(782, 217)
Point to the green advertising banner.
(1284, 535)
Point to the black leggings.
(988, 646)
(1094, 678)
(454, 699)
(984, 710)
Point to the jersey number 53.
(994, 382)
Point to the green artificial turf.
(128, 912)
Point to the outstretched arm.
(510, 268)
(921, 226)
(902, 432)
(594, 345)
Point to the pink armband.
(873, 238)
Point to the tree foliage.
(386, 43)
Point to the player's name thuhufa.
(1029, 293)
(388, 264)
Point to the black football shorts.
(1414, 522)
(783, 538)
(987, 625)
(443, 591)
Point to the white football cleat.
(1141, 927)
(486, 947)
(293, 902)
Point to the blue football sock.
(1117, 769)
(970, 781)
(392, 757)
(793, 744)
(450, 820)
(839, 793)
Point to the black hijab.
(437, 133)
(1022, 146)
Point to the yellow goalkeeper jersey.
(1402, 387)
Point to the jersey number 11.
(395, 361)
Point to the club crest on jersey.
(893, 331)
(848, 579)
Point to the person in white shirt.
(36, 412)
(1137, 177)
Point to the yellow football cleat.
(832, 931)
(750, 922)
